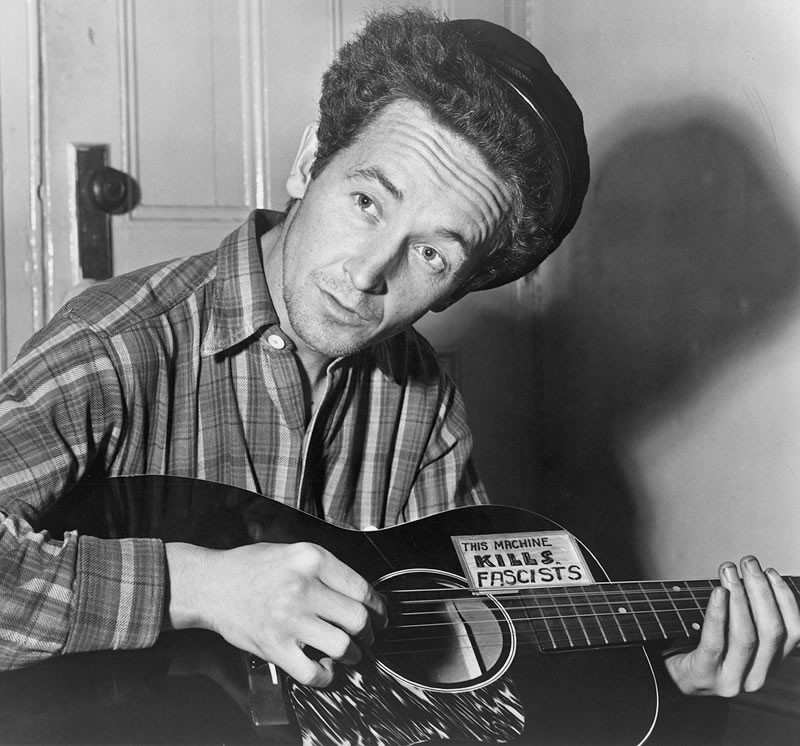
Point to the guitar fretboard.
(585, 616)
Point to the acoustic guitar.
(502, 628)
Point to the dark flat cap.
(553, 112)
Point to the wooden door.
(191, 100)
(202, 102)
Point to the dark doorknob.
(112, 191)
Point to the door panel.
(169, 86)
(188, 124)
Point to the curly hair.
(411, 54)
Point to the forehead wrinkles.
(453, 163)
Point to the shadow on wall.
(683, 253)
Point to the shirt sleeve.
(447, 477)
(61, 412)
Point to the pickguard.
(368, 706)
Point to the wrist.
(188, 573)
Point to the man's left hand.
(752, 623)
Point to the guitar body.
(501, 691)
(543, 698)
(582, 697)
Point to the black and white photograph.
(396, 372)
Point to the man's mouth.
(344, 312)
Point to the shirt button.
(276, 341)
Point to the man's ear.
(300, 174)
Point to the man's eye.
(432, 257)
(366, 204)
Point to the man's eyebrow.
(452, 235)
(374, 173)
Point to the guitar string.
(645, 605)
(597, 589)
(646, 587)
(617, 627)
(627, 625)
(666, 615)
(561, 640)
(562, 637)
(632, 618)
(580, 615)
(562, 644)
(590, 597)
(565, 627)
(574, 596)
(623, 627)
(631, 624)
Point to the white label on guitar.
(509, 562)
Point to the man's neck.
(313, 365)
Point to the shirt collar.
(241, 305)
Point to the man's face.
(389, 229)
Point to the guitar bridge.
(266, 692)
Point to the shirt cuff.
(119, 594)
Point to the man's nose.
(370, 268)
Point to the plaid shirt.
(183, 369)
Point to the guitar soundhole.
(441, 636)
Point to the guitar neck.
(604, 614)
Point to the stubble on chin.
(319, 334)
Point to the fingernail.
(719, 596)
(774, 575)
(751, 565)
(730, 573)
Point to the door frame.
(24, 297)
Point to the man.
(448, 158)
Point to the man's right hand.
(273, 600)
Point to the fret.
(636, 612)
(653, 611)
(647, 620)
(560, 617)
(628, 611)
(550, 632)
(592, 613)
(540, 622)
(617, 612)
(608, 615)
(585, 612)
(519, 609)
(703, 588)
(670, 591)
(668, 611)
(686, 602)
(565, 623)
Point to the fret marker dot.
(676, 588)
(695, 626)
(622, 610)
